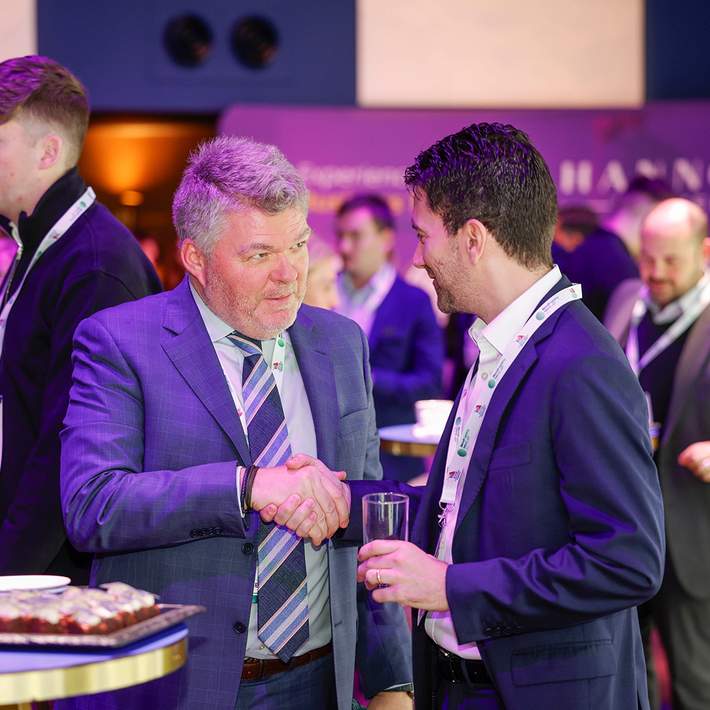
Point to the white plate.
(31, 582)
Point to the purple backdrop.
(592, 154)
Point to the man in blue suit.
(186, 409)
(541, 527)
(406, 343)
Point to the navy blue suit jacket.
(406, 357)
(560, 530)
(406, 353)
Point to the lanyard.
(54, 234)
(689, 316)
(474, 403)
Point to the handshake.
(303, 495)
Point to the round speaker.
(254, 41)
(188, 40)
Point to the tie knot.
(249, 346)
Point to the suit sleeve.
(384, 643)
(609, 487)
(421, 379)
(109, 502)
(32, 531)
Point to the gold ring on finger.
(379, 579)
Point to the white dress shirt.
(661, 315)
(361, 304)
(302, 438)
(490, 341)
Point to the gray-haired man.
(185, 410)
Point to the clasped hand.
(304, 495)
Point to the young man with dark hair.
(541, 525)
(73, 258)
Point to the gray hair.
(228, 174)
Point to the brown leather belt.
(259, 668)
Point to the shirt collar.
(380, 277)
(218, 330)
(216, 327)
(505, 326)
(674, 310)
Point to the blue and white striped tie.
(282, 610)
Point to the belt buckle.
(255, 671)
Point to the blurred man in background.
(663, 321)
(607, 255)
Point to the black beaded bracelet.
(250, 475)
(243, 489)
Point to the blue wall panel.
(677, 57)
(116, 48)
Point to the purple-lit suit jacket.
(149, 454)
(560, 530)
(687, 498)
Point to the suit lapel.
(187, 344)
(385, 315)
(692, 359)
(319, 381)
(504, 393)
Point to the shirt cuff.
(401, 688)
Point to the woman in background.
(323, 268)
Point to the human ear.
(194, 260)
(474, 236)
(50, 150)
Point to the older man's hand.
(304, 495)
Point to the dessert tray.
(170, 614)
(112, 616)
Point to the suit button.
(247, 548)
(239, 627)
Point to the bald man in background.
(663, 322)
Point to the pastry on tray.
(76, 610)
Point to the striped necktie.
(282, 611)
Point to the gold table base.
(21, 688)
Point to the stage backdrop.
(592, 154)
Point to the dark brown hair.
(491, 172)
